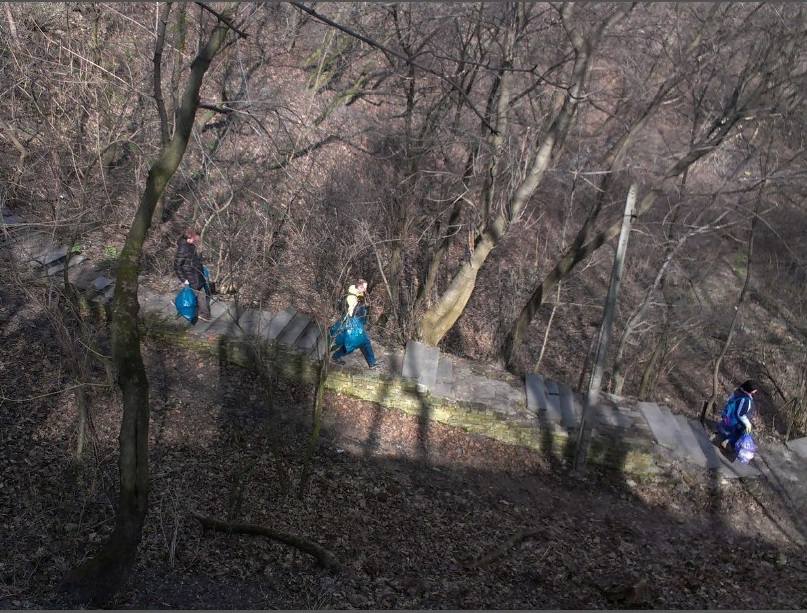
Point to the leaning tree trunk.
(98, 579)
(442, 315)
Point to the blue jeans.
(366, 349)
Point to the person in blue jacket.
(348, 333)
(735, 419)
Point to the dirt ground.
(420, 515)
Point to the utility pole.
(595, 383)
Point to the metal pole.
(595, 383)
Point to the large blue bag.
(349, 332)
(185, 302)
(745, 448)
(355, 336)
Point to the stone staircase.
(558, 404)
(287, 327)
(491, 404)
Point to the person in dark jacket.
(190, 270)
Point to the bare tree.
(98, 579)
(709, 405)
(442, 315)
(743, 95)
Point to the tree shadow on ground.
(481, 524)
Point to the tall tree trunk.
(159, 45)
(453, 225)
(98, 579)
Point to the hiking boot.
(376, 365)
(339, 361)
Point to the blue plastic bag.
(185, 302)
(745, 448)
(208, 286)
(347, 331)
(355, 336)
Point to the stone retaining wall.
(608, 446)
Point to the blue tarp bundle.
(185, 302)
(348, 331)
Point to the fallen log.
(324, 557)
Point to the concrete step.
(536, 392)
(58, 268)
(553, 412)
(609, 415)
(220, 319)
(420, 363)
(292, 331)
(444, 385)
(101, 282)
(279, 322)
(152, 302)
(798, 446)
(309, 339)
(715, 457)
(689, 446)
(250, 322)
(710, 450)
(571, 410)
(662, 423)
(224, 318)
(50, 255)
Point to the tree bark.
(708, 408)
(323, 556)
(165, 136)
(646, 385)
(98, 579)
(582, 246)
(442, 315)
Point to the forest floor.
(420, 515)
